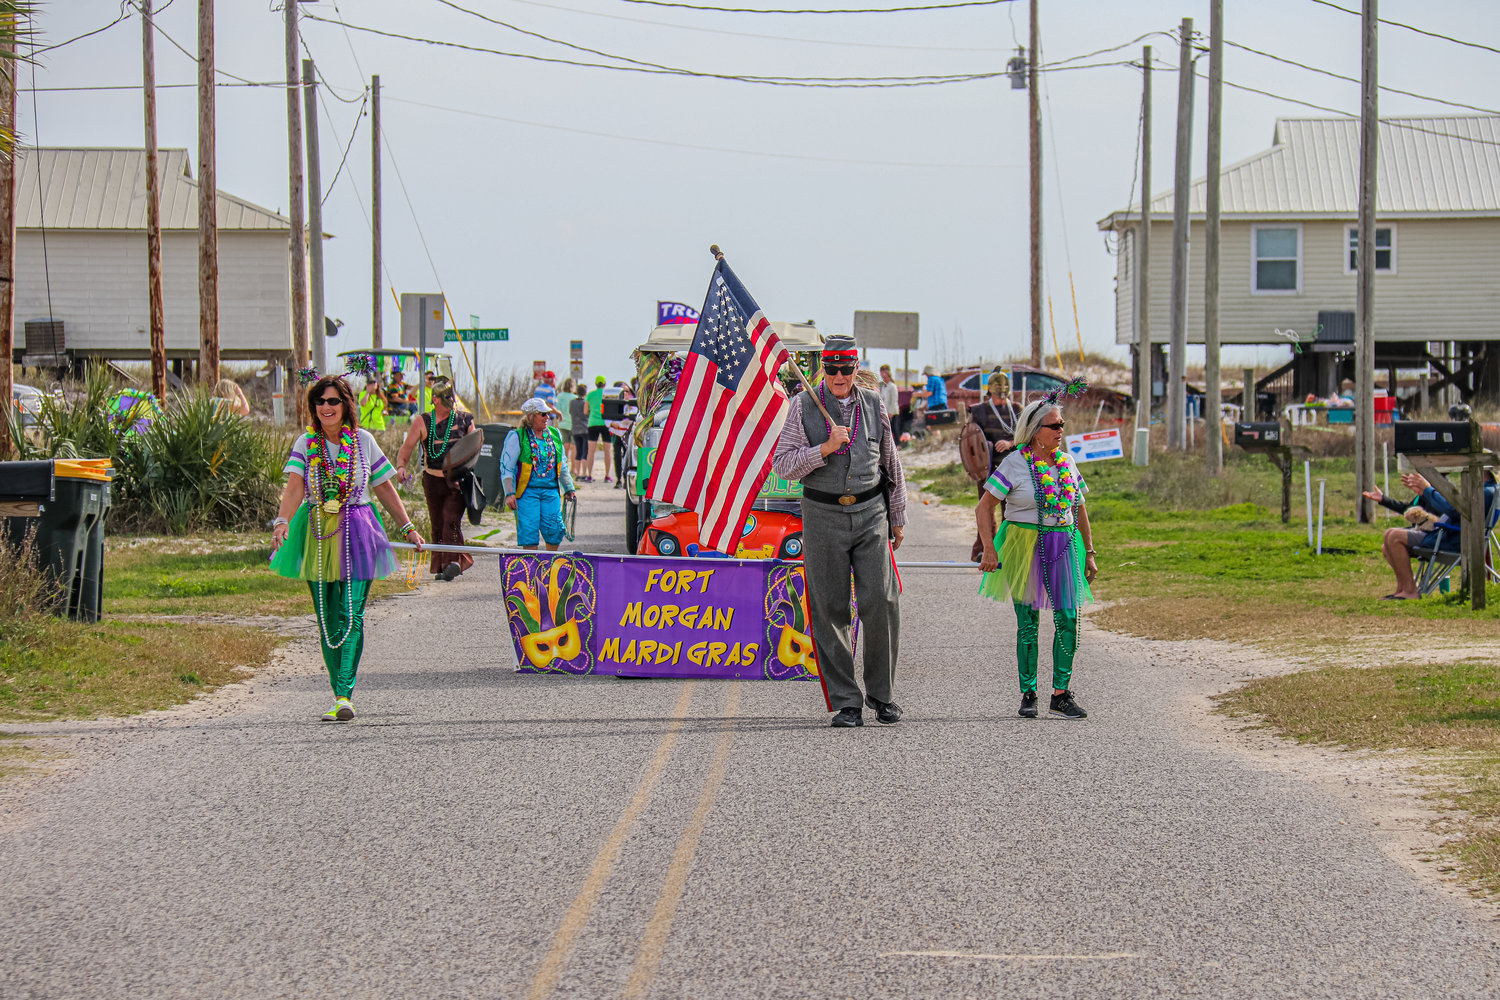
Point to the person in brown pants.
(434, 433)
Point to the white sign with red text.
(1096, 445)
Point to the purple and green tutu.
(355, 539)
(1039, 565)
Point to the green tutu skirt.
(354, 545)
(1040, 566)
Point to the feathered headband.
(1073, 388)
(355, 364)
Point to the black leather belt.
(840, 499)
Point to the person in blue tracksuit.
(535, 477)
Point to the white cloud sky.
(559, 232)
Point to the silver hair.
(1030, 420)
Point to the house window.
(1385, 250)
(1277, 253)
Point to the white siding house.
(1289, 217)
(81, 257)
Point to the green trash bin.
(64, 502)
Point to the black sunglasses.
(331, 401)
(1056, 427)
(839, 369)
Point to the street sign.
(886, 330)
(575, 350)
(503, 333)
(538, 369)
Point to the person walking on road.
(996, 417)
(598, 430)
(434, 433)
(564, 422)
(578, 408)
(846, 469)
(1042, 556)
(328, 533)
(534, 477)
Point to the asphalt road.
(479, 833)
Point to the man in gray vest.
(845, 527)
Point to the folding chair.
(1435, 565)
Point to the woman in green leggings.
(1042, 556)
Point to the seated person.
(1399, 542)
(1345, 396)
(934, 393)
(230, 398)
(398, 396)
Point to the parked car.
(28, 401)
(967, 386)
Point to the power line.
(1355, 79)
(137, 86)
(702, 148)
(124, 13)
(358, 117)
(749, 34)
(1112, 48)
(1412, 27)
(855, 10)
(777, 81)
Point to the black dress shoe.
(886, 712)
(1028, 705)
(848, 718)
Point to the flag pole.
(719, 256)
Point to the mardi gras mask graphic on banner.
(788, 626)
(550, 604)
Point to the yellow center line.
(1104, 956)
(654, 943)
(577, 916)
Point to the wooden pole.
(7, 249)
(314, 222)
(208, 203)
(1141, 454)
(1364, 301)
(1176, 417)
(1213, 439)
(1034, 137)
(153, 209)
(377, 302)
(298, 229)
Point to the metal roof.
(1433, 166)
(106, 189)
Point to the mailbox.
(1258, 434)
(1435, 438)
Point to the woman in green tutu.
(327, 531)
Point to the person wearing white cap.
(535, 477)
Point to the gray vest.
(857, 470)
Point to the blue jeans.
(540, 507)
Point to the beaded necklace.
(543, 454)
(437, 453)
(1055, 485)
(353, 457)
(853, 430)
(335, 491)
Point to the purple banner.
(723, 618)
(668, 313)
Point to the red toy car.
(772, 530)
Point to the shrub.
(27, 593)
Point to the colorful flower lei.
(341, 469)
(1056, 484)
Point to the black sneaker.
(1028, 705)
(450, 572)
(1063, 706)
(848, 718)
(886, 712)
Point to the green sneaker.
(332, 715)
(343, 709)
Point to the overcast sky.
(564, 201)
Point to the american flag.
(716, 447)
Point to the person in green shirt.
(372, 405)
(565, 397)
(598, 431)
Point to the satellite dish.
(331, 326)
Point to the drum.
(463, 454)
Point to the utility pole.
(1034, 131)
(294, 200)
(1364, 258)
(314, 223)
(377, 301)
(1141, 455)
(208, 204)
(1213, 439)
(1176, 416)
(8, 246)
(153, 209)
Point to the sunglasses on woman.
(331, 401)
(1056, 427)
(839, 369)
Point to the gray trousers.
(835, 542)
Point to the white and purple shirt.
(1011, 483)
(372, 469)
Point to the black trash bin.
(488, 466)
(65, 503)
